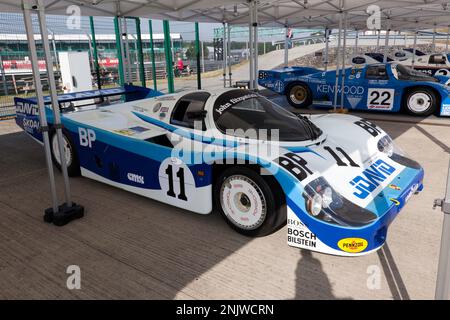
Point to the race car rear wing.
(129, 92)
(27, 110)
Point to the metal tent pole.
(443, 275)
(414, 49)
(356, 42)
(95, 52)
(225, 54)
(446, 42)
(54, 99)
(327, 46)
(378, 41)
(433, 44)
(386, 44)
(229, 54)
(286, 46)
(344, 54)
(140, 52)
(168, 55)
(27, 7)
(119, 50)
(255, 44)
(203, 56)
(338, 49)
(152, 55)
(127, 51)
(198, 54)
(250, 45)
(2, 70)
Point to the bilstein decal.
(352, 245)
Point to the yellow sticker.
(125, 132)
(352, 245)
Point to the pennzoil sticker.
(352, 245)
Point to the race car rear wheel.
(420, 102)
(299, 95)
(73, 166)
(250, 204)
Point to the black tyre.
(299, 95)
(251, 204)
(73, 165)
(420, 102)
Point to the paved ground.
(132, 247)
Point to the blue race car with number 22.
(386, 87)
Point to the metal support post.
(255, 44)
(443, 275)
(414, 49)
(198, 54)
(229, 54)
(386, 44)
(344, 56)
(118, 33)
(152, 55)
(327, 47)
(95, 53)
(140, 53)
(338, 49)
(225, 54)
(168, 54)
(54, 98)
(286, 46)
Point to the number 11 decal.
(338, 159)
(180, 176)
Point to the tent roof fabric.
(395, 14)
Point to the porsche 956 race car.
(387, 87)
(337, 180)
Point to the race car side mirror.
(198, 114)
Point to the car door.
(380, 90)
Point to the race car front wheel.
(299, 95)
(420, 102)
(250, 204)
(73, 166)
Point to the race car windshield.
(238, 111)
(402, 72)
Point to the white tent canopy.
(395, 14)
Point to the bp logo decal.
(352, 245)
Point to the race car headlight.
(386, 145)
(325, 203)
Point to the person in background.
(180, 66)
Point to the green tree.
(190, 52)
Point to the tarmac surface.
(131, 247)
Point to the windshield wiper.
(314, 132)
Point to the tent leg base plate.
(64, 215)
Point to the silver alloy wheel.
(419, 102)
(67, 150)
(298, 94)
(243, 202)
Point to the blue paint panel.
(121, 155)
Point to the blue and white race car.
(386, 87)
(338, 180)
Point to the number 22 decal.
(380, 99)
